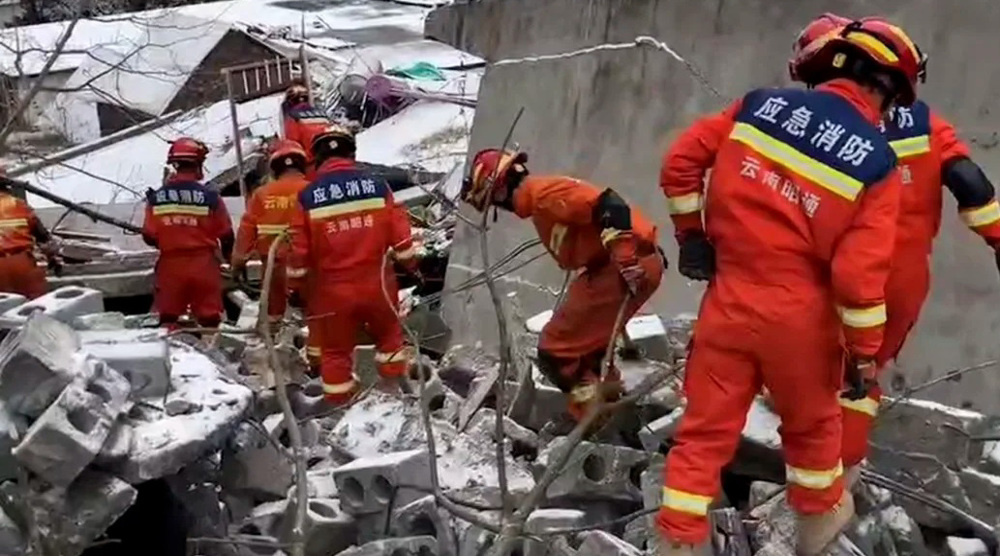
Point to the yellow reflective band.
(911, 146)
(180, 209)
(981, 216)
(695, 504)
(341, 388)
(863, 318)
(311, 121)
(867, 406)
(822, 175)
(14, 223)
(813, 479)
(293, 272)
(313, 351)
(684, 204)
(271, 229)
(583, 393)
(900, 34)
(610, 234)
(401, 355)
(871, 42)
(345, 208)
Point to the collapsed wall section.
(608, 117)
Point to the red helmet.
(489, 168)
(187, 149)
(285, 148)
(808, 40)
(883, 47)
(334, 140)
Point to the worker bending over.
(588, 229)
(343, 225)
(20, 232)
(930, 154)
(188, 223)
(799, 224)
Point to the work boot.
(817, 531)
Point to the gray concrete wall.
(609, 116)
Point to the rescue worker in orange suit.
(930, 154)
(268, 215)
(343, 225)
(584, 228)
(188, 223)
(20, 232)
(796, 244)
(302, 122)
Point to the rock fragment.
(64, 304)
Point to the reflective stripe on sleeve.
(911, 146)
(814, 479)
(982, 216)
(295, 272)
(686, 502)
(863, 318)
(271, 229)
(868, 406)
(14, 223)
(312, 351)
(338, 388)
(822, 175)
(195, 210)
(684, 204)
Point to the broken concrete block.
(761, 492)
(99, 321)
(462, 364)
(481, 388)
(118, 444)
(36, 363)
(958, 546)
(679, 330)
(265, 519)
(929, 428)
(423, 518)
(600, 543)
(248, 316)
(142, 358)
(523, 441)
(321, 483)
(648, 333)
(370, 484)
(655, 434)
(328, 529)
(10, 300)
(651, 483)
(728, 535)
(63, 304)
(595, 471)
(257, 463)
(68, 520)
(907, 539)
(11, 427)
(72, 431)
(148, 320)
(412, 546)
(548, 520)
(639, 532)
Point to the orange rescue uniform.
(301, 124)
(19, 229)
(268, 215)
(344, 223)
(187, 223)
(801, 209)
(575, 340)
(925, 143)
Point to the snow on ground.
(410, 52)
(123, 171)
(434, 135)
(966, 547)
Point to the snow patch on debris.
(762, 425)
(935, 406)
(430, 134)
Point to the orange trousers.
(905, 292)
(20, 274)
(277, 297)
(343, 309)
(189, 279)
(785, 337)
(574, 342)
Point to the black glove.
(697, 257)
(295, 299)
(859, 377)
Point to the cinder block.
(36, 364)
(595, 471)
(10, 300)
(141, 356)
(118, 444)
(248, 316)
(600, 543)
(321, 483)
(651, 482)
(69, 520)
(648, 333)
(639, 531)
(328, 529)
(72, 431)
(659, 431)
(255, 463)
(413, 546)
(64, 304)
(367, 485)
(547, 520)
(100, 321)
(423, 518)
